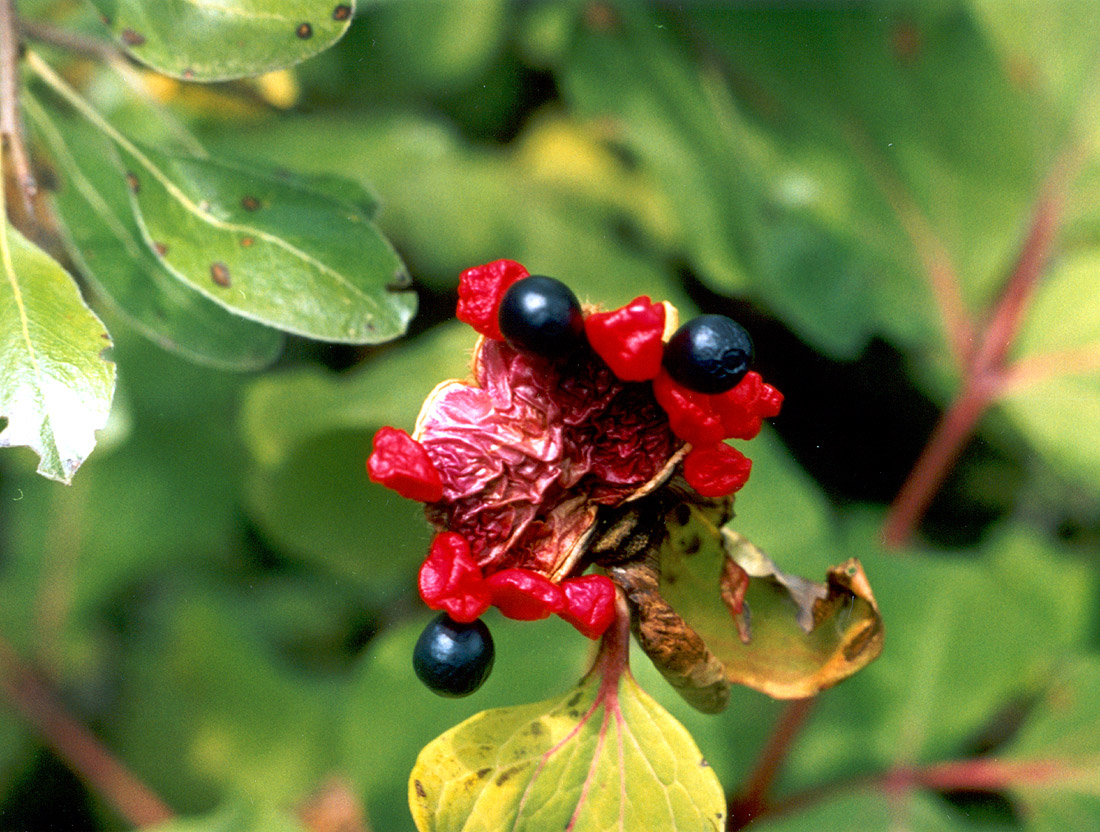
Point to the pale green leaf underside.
(583, 762)
(55, 385)
(107, 245)
(215, 41)
(269, 250)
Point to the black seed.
(452, 658)
(304, 31)
(709, 354)
(541, 315)
(132, 38)
(250, 203)
(132, 182)
(219, 273)
(341, 12)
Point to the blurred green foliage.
(230, 603)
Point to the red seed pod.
(525, 595)
(589, 603)
(691, 415)
(479, 292)
(399, 462)
(770, 402)
(629, 339)
(451, 580)
(716, 470)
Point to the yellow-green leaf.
(55, 384)
(780, 634)
(603, 756)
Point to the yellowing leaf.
(603, 756)
(712, 609)
(55, 385)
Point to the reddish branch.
(987, 373)
(11, 126)
(979, 774)
(33, 699)
(754, 799)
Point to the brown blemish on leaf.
(160, 248)
(601, 17)
(482, 773)
(508, 774)
(574, 699)
(419, 789)
(341, 12)
(219, 273)
(246, 242)
(304, 31)
(132, 182)
(250, 203)
(189, 74)
(705, 764)
(536, 729)
(132, 38)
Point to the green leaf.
(605, 755)
(1057, 782)
(390, 715)
(266, 247)
(229, 39)
(106, 243)
(55, 386)
(1062, 330)
(871, 811)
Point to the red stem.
(76, 745)
(754, 798)
(986, 374)
(979, 774)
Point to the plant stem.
(76, 745)
(68, 40)
(11, 127)
(754, 798)
(978, 774)
(986, 373)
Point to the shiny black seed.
(541, 315)
(453, 659)
(709, 354)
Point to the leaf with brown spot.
(228, 39)
(106, 244)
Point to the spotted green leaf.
(55, 384)
(603, 756)
(228, 39)
(107, 245)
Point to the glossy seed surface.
(453, 659)
(541, 315)
(709, 354)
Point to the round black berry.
(453, 659)
(709, 354)
(541, 315)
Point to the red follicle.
(525, 595)
(716, 470)
(629, 339)
(479, 292)
(589, 604)
(451, 580)
(399, 462)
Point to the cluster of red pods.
(699, 376)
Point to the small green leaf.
(55, 385)
(228, 39)
(603, 756)
(282, 255)
(106, 243)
